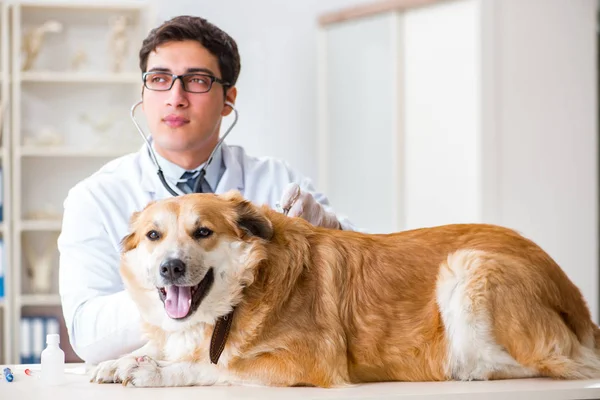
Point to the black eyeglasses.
(192, 83)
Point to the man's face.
(181, 121)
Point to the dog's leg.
(466, 282)
(508, 318)
(112, 371)
(151, 373)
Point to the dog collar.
(219, 336)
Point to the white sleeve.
(102, 320)
(307, 185)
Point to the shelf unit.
(47, 225)
(39, 300)
(83, 110)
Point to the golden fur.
(328, 308)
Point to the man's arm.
(102, 320)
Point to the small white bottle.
(53, 361)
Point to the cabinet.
(436, 112)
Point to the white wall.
(442, 90)
(360, 71)
(546, 113)
(528, 68)
(500, 123)
(277, 89)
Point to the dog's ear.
(232, 195)
(131, 240)
(248, 217)
(252, 221)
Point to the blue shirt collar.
(173, 172)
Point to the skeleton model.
(118, 42)
(32, 41)
(102, 127)
(78, 59)
(40, 265)
(48, 136)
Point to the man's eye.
(199, 80)
(153, 235)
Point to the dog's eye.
(202, 233)
(153, 235)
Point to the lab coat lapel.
(233, 177)
(150, 180)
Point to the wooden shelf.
(80, 77)
(39, 300)
(32, 151)
(47, 225)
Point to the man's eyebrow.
(198, 69)
(187, 71)
(159, 69)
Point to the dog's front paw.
(145, 373)
(106, 371)
(112, 371)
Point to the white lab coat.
(102, 321)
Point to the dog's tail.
(577, 357)
(584, 360)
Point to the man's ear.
(230, 96)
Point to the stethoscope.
(159, 171)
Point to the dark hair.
(212, 38)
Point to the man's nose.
(177, 96)
(172, 269)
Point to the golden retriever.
(296, 304)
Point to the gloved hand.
(303, 204)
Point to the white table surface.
(78, 387)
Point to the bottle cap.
(53, 338)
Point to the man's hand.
(303, 204)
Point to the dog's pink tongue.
(178, 301)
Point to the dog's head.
(188, 258)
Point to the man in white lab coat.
(190, 69)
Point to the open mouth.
(181, 301)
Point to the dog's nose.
(172, 269)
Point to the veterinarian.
(190, 68)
